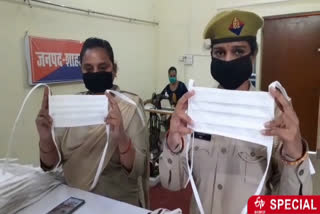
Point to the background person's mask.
(172, 80)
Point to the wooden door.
(291, 54)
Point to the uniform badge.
(236, 26)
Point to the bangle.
(182, 147)
(127, 150)
(296, 162)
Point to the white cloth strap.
(10, 144)
(128, 100)
(103, 156)
(13, 130)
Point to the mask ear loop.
(13, 130)
(190, 140)
(53, 133)
(190, 177)
(187, 158)
(192, 151)
(99, 170)
(190, 168)
(128, 100)
(103, 157)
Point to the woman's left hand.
(114, 119)
(286, 127)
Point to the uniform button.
(220, 186)
(252, 154)
(196, 148)
(301, 172)
(169, 161)
(223, 150)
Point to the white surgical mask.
(234, 114)
(84, 110)
(74, 111)
(80, 110)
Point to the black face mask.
(233, 73)
(98, 82)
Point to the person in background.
(175, 89)
(125, 172)
(228, 171)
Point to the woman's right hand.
(43, 120)
(179, 122)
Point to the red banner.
(284, 204)
(53, 60)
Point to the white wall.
(134, 46)
(182, 24)
(144, 52)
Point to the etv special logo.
(284, 204)
(259, 203)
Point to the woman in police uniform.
(227, 171)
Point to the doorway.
(291, 55)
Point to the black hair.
(97, 43)
(172, 69)
(250, 39)
(253, 45)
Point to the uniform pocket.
(202, 156)
(253, 163)
(202, 147)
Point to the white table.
(159, 111)
(94, 204)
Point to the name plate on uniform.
(202, 136)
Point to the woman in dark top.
(175, 89)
